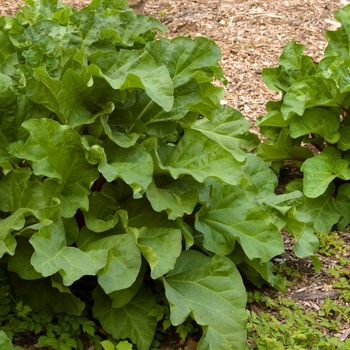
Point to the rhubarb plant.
(308, 128)
(121, 171)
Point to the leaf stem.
(140, 115)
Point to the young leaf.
(292, 66)
(321, 170)
(200, 157)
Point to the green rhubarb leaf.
(22, 196)
(231, 217)
(160, 248)
(134, 165)
(5, 342)
(158, 238)
(211, 96)
(338, 41)
(229, 129)
(195, 279)
(344, 141)
(342, 204)
(56, 152)
(123, 296)
(323, 211)
(53, 255)
(185, 57)
(125, 140)
(130, 321)
(123, 257)
(177, 198)
(128, 69)
(256, 271)
(102, 214)
(336, 68)
(301, 226)
(308, 92)
(200, 157)
(260, 181)
(283, 149)
(322, 169)
(292, 65)
(319, 121)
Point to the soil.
(251, 35)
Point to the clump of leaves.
(331, 244)
(309, 127)
(283, 324)
(118, 163)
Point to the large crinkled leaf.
(197, 155)
(197, 279)
(134, 165)
(177, 198)
(123, 296)
(160, 247)
(129, 69)
(336, 68)
(229, 129)
(54, 297)
(20, 189)
(123, 262)
(231, 217)
(323, 211)
(102, 214)
(319, 121)
(310, 91)
(259, 180)
(158, 238)
(125, 140)
(56, 152)
(322, 169)
(22, 196)
(130, 321)
(185, 57)
(100, 20)
(126, 29)
(292, 65)
(53, 255)
(211, 96)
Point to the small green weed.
(331, 244)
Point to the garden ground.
(251, 35)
